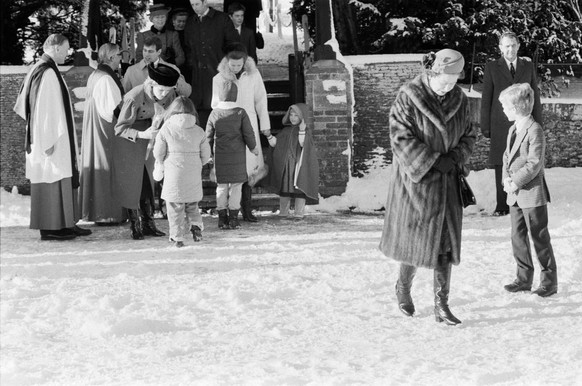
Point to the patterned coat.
(524, 164)
(420, 198)
(494, 123)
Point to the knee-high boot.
(403, 286)
(148, 225)
(135, 224)
(442, 282)
(246, 203)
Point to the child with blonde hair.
(181, 150)
(527, 192)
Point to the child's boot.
(222, 219)
(233, 219)
(196, 232)
(299, 208)
(284, 204)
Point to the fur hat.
(448, 61)
(158, 9)
(163, 74)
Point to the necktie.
(512, 140)
(512, 70)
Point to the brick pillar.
(329, 99)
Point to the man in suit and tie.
(527, 192)
(500, 74)
(236, 12)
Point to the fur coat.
(420, 199)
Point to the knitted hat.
(158, 9)
(228, 92)
(448, 61)
(163, 74)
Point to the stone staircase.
(278, 91)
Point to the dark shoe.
(61, 234)
(196, 233)
(405, 304)
(178, 244)
(148, 226)
(222, 219)
(135, 224)
(149, 229)
(442, 313)
(246, 204)
(517, 286)
(442, 283)
(249, 216)
(81, 231)
(545, 291)
(500, 213)
(233, 219)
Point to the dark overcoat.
(131, 153)
(420, 198)
(494, 123)
(205, 43)
(230, 132)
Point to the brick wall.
(377, 79)
(328, 96)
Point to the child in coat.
(181, 149)
(527, 192)
(230, 130)
(294, 169)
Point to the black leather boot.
(135, 224)
(233, 219)
(403, 286)
(246, 204)
(442, 281)
(148, 225)
(222, 219)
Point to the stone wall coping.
(362, 60)
(11, 70)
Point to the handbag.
(465, 192)
(259, 40)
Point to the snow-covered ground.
(282, 302)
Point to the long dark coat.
(205, 44)
(138, 109)
(494, 123)
(231, 132)
(303, 164)
(419, 197)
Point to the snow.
(284, 302)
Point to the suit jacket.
(247, 38)
(524, 164)
(494, 123)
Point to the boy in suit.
(527, 192)
(236, 12)
(500, 74)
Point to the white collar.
(226, 105)
(508, 63)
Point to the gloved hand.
(445, 163)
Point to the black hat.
(158, 9)
(163, 74)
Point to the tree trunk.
(344, 19)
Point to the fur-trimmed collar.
(419, 91)
(249, 68)
(185, 121)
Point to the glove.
(272, 140)
(445, 163)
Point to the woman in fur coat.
(431, 139)
(237, 67)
